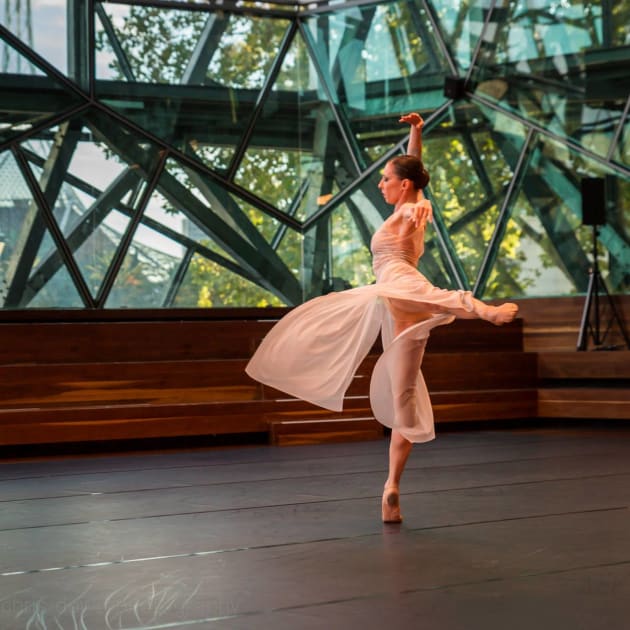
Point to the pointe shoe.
(390, 505)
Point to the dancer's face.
(392, 186)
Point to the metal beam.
(46, 217)
(178, 278)
(270, 79)
(492, 249)
(154, 171)
(195, 72)
(119, 53)
(333, 99)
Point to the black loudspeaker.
(454, 87)
(593, 201)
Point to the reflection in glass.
(381, 60)
(42, 26)
(58, 292)
(553, 55)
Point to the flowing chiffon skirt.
(314, 351)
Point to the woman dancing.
(313, 352)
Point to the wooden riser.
(463, 406)
(124, 422)
(584, 365)
(317, 431)
(603, 403)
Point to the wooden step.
(159, 382)
(584, 402)
(37, 425)
(504, 404)
(325, 430)
(584, 365)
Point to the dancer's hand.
(413, 119)
(418, 213)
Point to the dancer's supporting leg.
(400, 447)
(399, 450)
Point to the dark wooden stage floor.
(504, 529)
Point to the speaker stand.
(597, 286)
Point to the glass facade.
(182, 154)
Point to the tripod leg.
(616, 316)
(581, 344)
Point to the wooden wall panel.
(553, 324)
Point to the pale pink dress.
(313, 352)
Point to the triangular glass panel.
(26, 245)
(208, 284)
(173, 214)
(58, 292)
(527, 262)
(192, 223)
(15, 63)
(246, 51)
(99, 245)
(193, 217)
(146, 44)
(14, 191)
(206, 219)
(381, 60)
(31, 23)
(147, 272)
(92, 247)
(16, 206)
(208, 215)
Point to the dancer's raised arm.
(415, 122)
(423, 210)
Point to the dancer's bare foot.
(503, 314)
(391, 505)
